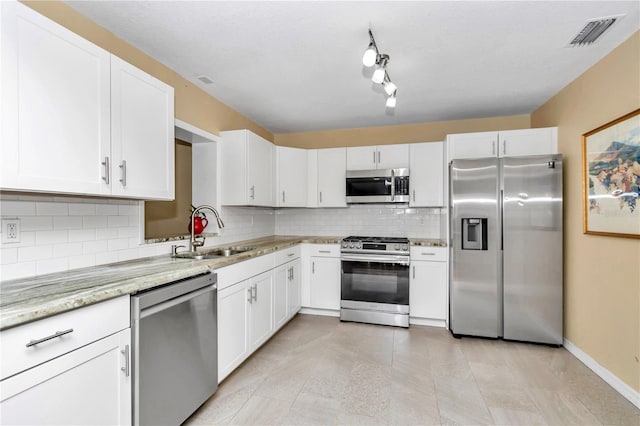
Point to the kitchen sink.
(213, 254)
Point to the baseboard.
(323, 312)
(428, 322)
(621, 387)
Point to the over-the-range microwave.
(377, 186)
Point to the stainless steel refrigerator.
(506, 248)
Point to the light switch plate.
(10, 230)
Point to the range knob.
(345, 244)
(352, 245)
(405, 247)
(359, 246)
(396, 247)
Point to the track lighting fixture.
(373, 57)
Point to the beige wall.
(602, 274)
(192, 105)
(408, 133)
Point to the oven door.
(375, 279)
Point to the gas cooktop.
(376, 245)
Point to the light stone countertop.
(28, 299)
(428, 242)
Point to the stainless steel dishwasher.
(175, 354)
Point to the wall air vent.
(205, 79)
(593, 30)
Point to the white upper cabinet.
(528, 142)
(142, 133)
(291, 177)
(55, 106)
(427, 174)
(246, 163)
(59, 115)
(331, 177)
(505, 143)
(378, 157)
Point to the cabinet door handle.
(292, 276)
(378, 157)
(44, 339)
(321, 197)
(126, 368)
(253, 192)
(414, 272)
(313, 267)
(493, 147)
(282, 197)
(105, 163)
(374, 157)
(123, 168)
(250, 298)
(255, 292)
(504, 147)
(414, 195)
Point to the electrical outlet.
(10, 230)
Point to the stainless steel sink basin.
(213, 254)
(229, 251)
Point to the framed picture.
(611, 178)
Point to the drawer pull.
(428, 254)
(324, 251)
(53, 336)
(290, 254)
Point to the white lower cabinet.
(244, 320)
(286, 295)
(89, 385)
(428, 287)
(324, 285)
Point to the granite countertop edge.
(29, 299)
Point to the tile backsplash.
(59, 233)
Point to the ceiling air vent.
(205, 79)
(593, 30)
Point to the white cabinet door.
(259, 164)
(362, 158)
(427, 174)
(528, 142)
(393, 156)
(291, 172)
(378, 157)
(88, 386)
(428, 290)
(246, 163)
(142, 134)
(261, 326)
(55, 106)
(233, 327)
(472, 145)
(325, 283)
(294, 288)
(280, 286)
(332, 177)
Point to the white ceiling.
(297, 66)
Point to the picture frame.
(611, 178)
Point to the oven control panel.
(376, 245)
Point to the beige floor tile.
(261, 411)
(460, 402)
(318, 370)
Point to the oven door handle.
(396, 259)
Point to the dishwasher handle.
(173, 302)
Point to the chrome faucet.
(198, 241)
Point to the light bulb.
(391, 101)
(378, 75)
(370, 56)
(389, 87)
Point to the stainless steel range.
(375, 280)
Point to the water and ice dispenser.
(474, 233)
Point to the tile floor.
(317, 370)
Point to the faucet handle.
(198, 241)
(174, 249)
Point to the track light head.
(389, 87)
(370, 55)
(391, 101)
(380, 72)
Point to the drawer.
(326, 250)
(287, 255)
(232, 274)
(437, 254)
(89, 324)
